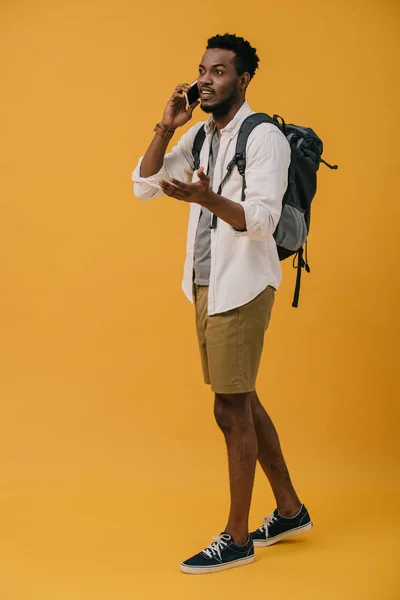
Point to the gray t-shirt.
(202, 245)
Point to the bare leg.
(233, 414)
(271, 460)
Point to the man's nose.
(205, 79)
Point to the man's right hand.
(176, 114)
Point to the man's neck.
(223, 121)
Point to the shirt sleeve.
(178, 164)
(267, 165)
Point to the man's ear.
(244, 80)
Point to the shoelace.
(220, 542)
(268, 520)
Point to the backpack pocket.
(291, 231)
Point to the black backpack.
(294, 223)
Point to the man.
(231, 274)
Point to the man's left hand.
(188, 192)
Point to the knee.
(230, 410)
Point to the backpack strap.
(197, 146)
(301, 264)
(245, 130)
(239, 159)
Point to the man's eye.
(219, 72)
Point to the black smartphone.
(193, 94)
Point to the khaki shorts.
(231, 343)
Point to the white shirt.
(244, 263)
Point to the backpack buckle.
(240, 162)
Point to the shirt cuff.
(153, 180)
(251, 224)
(238, 232)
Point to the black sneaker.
(222, 554)
(276, 528)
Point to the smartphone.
(193, 94)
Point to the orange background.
(112, 468)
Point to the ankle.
(289, 510)
(238, 537)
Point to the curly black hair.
(246, 57)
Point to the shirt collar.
(234, 124)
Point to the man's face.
(218, 81)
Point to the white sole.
(282, 536)
(230, 565)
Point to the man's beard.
(223, 108)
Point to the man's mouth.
(205, 93)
